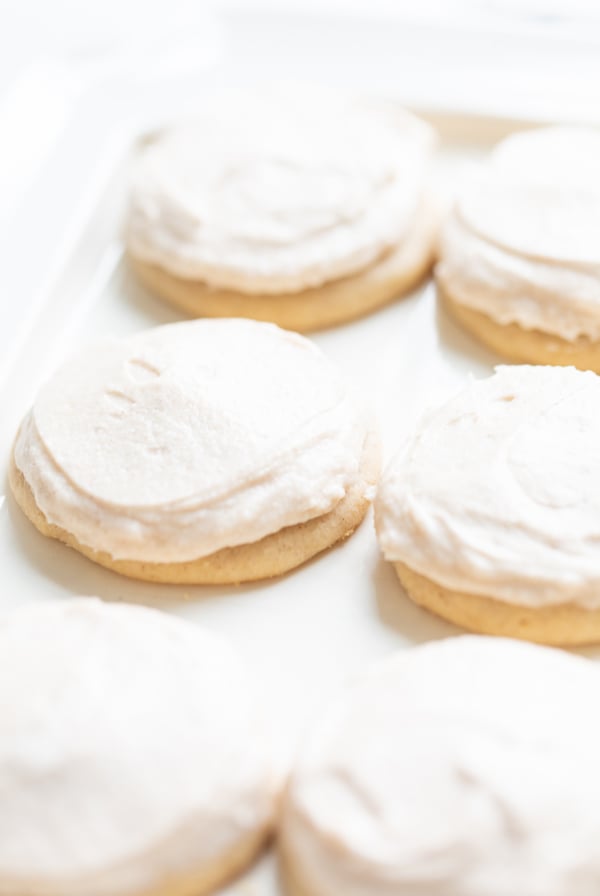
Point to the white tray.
(308, 633)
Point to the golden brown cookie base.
(560, 625)
(272, 556)
(314, 309)
(292, 878)
(200, 883)
(218, 873)
(525, 346)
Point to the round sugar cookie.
(490, 512)
(245, 213)
(519, 263)
(465, 766)
(132, 758)
(202, 452)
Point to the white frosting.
(509, 288)
(497, 492)
(130, 751)
(523, 243)
(465, 767)
(279, 192)
(188, 438)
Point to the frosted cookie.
(200, 452)
(132, 760)
(466, 766)
(299, 208)
(520, 254)
(491, 511)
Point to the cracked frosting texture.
(280, 192)
(523, 242)
(497, 492)
(188, 438)
(463, 767)
(130, 750)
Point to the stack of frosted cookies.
(299, 208)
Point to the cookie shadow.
(458, 341)
(77, 575)
(398, 612)
(145, 302)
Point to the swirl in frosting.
(466, 766)
(497, 492)
(189, 438)
(132, 755)
(280, 192)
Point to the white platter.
(308, 633)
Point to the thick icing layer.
(280, 192)
(523, 243)
(130, 750)
(188, 438)
(463, 767)
(510, 289)
(497, 492)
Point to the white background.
(529, 58)
(514, 58)
(90, 30)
